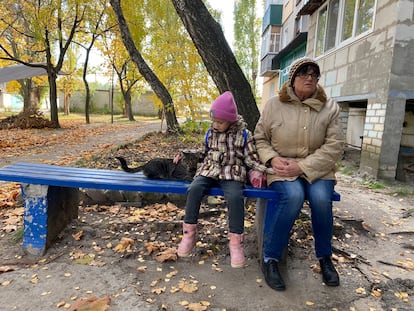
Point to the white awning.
(19, 72)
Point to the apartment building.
(365, 49)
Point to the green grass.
(103, 118)
(94, 118)
(401, 191)
(374, 184)
(18, 235)
(345, 170)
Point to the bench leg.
(263, 206)
(47, 211)
(260, 211)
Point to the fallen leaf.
(5, 283)
(196, 306)
(402, 295)
(77, 236)
(7, 269)
(152, 247)
(92, 304)
(171, 274)
(360, 291)
(124, 245)
(184, 303)
(158, 290)
(85, 260)
(376, 293)
(170, 254)
(187, 286)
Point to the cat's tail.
(127, 169)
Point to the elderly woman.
(300, 137)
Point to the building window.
(271, 40)
(365, 16)
(332, 24)
(320, 31)
(348, 19)
(341, 20)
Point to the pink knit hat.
(224, 107)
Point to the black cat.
(163, 168)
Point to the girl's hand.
(177, 158)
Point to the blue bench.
(51, 196)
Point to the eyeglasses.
(305, 75)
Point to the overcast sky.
(226, 8)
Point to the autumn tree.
(174, 57)
(52, 26)
(120, 62)
(217, 56)
(16, 45)
(94, 26)
(246, 39)
(126, 71)
(157, 86)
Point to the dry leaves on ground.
(92, 304)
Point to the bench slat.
(75, 177)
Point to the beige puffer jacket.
(307, 131)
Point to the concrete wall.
(101, 102)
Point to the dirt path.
(372, 238)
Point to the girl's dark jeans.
(233, 194)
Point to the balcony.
(266, 65)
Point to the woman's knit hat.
(298, 64)
(224, 107)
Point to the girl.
(229, 150)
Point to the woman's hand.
(285, 167)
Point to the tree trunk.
(66, 104)
(87, 100)
(35, 97)
(25, 87)
(217, 56)
(54, 117)
(85, 81)
(128, 105)
(143, 68)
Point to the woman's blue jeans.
(233, 194)
(279, 221)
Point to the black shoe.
(329, 275)
(272, 275)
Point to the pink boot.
(236, 250)
(188, 241)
